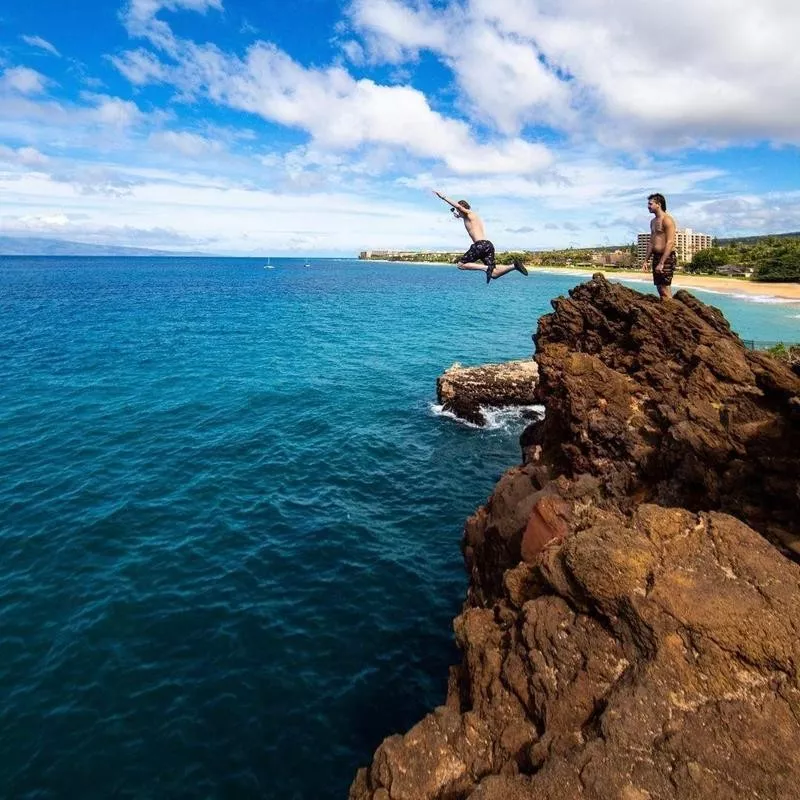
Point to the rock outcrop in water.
(463, 390)
(631, 625)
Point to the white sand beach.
(778, 291)
(788, 292)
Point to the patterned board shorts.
(664, 278)
(482, 250)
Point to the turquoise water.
(229, 541)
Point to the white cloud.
(227, 218)
(98, 122)
(584, 184)
(94, 180)
(715, 70)
(112, 111)
(144, 10)
(396, 32)
(184, 143)
(25, 156)
(42, 44)
(501, 76)
(140, 18)
(79, 227)
(23, 80)
(44, 222)
(31, 157)
(775, 212)
(340, 112)
(370, 151)
(140, 67)
(324, 202)
(354, 51)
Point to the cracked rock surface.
(631, 627)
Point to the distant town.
(770, 258)
(687, 244)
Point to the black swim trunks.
(482, 250)
(664, 278)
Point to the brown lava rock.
(623, 638)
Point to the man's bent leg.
(473, 265)
(468, 260)
(483, 250)
(504, 269)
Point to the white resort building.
(687, 243)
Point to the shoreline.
(746, 289)
(788, 292)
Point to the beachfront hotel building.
(687, 243)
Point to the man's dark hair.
(464, 203)
(659, 198)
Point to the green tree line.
(772, 259)
(502, 257)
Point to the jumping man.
(481, 248)
(662, 246)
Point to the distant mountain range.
(28, 246)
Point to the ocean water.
(230, 513)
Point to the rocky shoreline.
(631, 624)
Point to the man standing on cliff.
(481, 248)
(661, 250)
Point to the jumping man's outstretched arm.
(449, 202)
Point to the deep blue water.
(230, 517)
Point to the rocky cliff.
(631, 624)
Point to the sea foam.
(508, 418)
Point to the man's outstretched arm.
(449, 202)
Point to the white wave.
(510, 418)
(758, 298)
(438, 411)
(752, 298)
(507, 418)
(577, 273)
(630, 280)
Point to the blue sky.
(316, 127)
